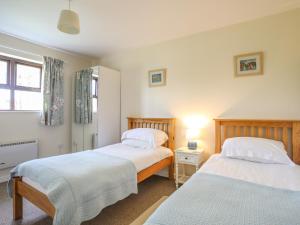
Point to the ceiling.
(112, 25)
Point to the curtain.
(83, 97)
(53, 92)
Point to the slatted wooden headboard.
(287, 131)
(165, 124)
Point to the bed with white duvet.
(140, 158)
(252, 182)
(80, 185)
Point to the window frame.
(96, 87)
(11, 83)
(4, 86)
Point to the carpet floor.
(121, 213)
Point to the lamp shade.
(68, 22)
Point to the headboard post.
(296, 142)
(218, 136)
(171, 134)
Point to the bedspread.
(215, 200)
(80, 185)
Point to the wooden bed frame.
(287, 131)
(23, 190)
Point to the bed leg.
(17, 200)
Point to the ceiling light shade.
(68, 22)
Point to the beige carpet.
(122, 213)
(145, 215)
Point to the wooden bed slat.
(253, 131)
(276, 133)
(246, 131)
(260, 132)
(285, 138)
(238, 131)
(268, 133)
(225, 133)
(231, 131)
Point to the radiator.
(13, 153)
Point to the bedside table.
(185, 156)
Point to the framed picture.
(157, 77)
(249, 64)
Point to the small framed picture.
(157, 77)
(249, 64)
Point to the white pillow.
(153, 137)
(256, 150)
(136, 143)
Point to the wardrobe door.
(85, 125)
(109, 106)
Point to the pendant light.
(68, 21)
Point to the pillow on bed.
(256, 150)
(152, 137)
(136, 143)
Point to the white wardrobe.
(105, 126)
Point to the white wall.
(200, 78)
(25, 125)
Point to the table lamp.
(193, 125)
(192, 134)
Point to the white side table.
(185, 156)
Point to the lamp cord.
(69, 4)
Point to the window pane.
(4, 99)
(28, 100)
(95, 105)
(28, 76)
(3, 72)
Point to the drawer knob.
(2, 163)
(186, 157)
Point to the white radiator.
(13, 153)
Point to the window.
(95, 93)
(20, 84)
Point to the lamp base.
(192, 145)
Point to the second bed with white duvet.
(257, 185)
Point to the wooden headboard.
(287, 131)
(165, 124)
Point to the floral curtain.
(84, 97)
(53, 92)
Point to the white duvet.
(274, 175)
(141, 158)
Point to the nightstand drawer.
(187, 158)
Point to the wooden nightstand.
(185, 156)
